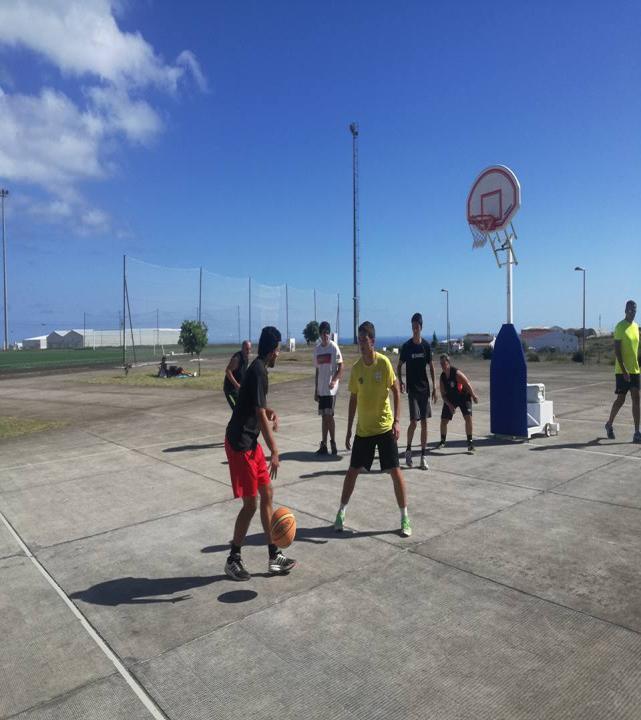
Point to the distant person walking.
(457, 392)
(328, 362)
(247, 465)
(626, 368)
(416, 353)
(235, 372)
(370, 382)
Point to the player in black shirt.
(248, 469)
(457, 392)
(235, 372)
(416, 353)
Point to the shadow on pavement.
(237, 596)
(309, 456)
(317, 535)
(183, 448)
(142, 591)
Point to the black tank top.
(452, 391)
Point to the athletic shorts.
(232, 397)
(420, 407)
(464, 404)
(364, 447)
(326, 404)
(622, 386)
(247, 469)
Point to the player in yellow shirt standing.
(626, 368)
(370, 382)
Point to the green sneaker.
(340, 519)
(406, 528)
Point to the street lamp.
(578, 268)
(447, 305)
(5, 345)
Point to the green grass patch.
(11, 427)
(146, 377)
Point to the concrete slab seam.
(524, 592)
(128, 677)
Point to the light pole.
(447, 306)
(578, 268)
(5, 345)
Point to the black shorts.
(364, 448)
(420, 408)
(463, 403)
(326, 404)
(232, 397)
(622, 386)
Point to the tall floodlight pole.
(581, 269)
(249, 322)
(287, 311)
(200, 294)
(354, 130)
(447, 317)
(5, 345)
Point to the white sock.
(342, 508)
(404, 512)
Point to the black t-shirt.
(451, 384)
(243, 428)
(238, 373)
(416, 359)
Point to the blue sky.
(215, 134)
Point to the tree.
(193, 336)
(311, 333)
(434, 340)
(467, 345)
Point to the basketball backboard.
(494, 199)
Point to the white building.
(35, 343)
(555, 340)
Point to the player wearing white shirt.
(328, 362)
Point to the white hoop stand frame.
(493, 201)
(499, 245)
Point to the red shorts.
(248, 470)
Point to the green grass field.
(11, 427)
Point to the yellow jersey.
(371, 385)
(628, 334)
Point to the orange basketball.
(283, 527)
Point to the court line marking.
(578, 387)
(138, 689)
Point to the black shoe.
(610, 431)
(470, 448)
(332, 444)
(441, 445)
(280, 565)
(235, 569)
(322, 450)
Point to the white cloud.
(51, 141)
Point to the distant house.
(35, 343)
(64, 339)
(556, 340)
(479, 341)
(528, 334)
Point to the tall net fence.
(160, 298)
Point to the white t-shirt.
(326, 360)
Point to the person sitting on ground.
(162, 369)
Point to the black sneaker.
(322, 450)
(280, 565)
(235, 569)
(333, 447)
(470, 448)
(441, 445)
(609, 431)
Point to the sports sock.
(342, 507)
(469, 438)
(443, 438)
(273, 550)
(235, 549)
(408, 448)
(423, 451)
(403, 512)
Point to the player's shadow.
(597, 442)
(322, 473)
(142, 591)
(184, 448)
(311, 456)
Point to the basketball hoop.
(481, 226)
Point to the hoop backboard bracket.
(503, 245)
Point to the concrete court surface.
(517, 596)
